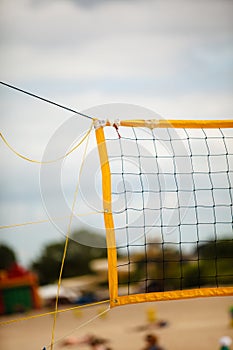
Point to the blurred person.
(94, 342)
(225, 343)
(99, 344)
(152, 342)
(231, 316)
(70, 341)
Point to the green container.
(17, 299)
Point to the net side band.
(108, 217)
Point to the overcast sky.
(172, 57)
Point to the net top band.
(176, 123)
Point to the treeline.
(78, 257)
(77, 261)
(158, 267)
(168, 267)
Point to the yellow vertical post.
(108, 217)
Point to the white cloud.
(154, 50)
(126, 39)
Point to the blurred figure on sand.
(231, 316)
(152, 342)
(225, 343)
(94, 342)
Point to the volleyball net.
(167, 200)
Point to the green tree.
(210, 264)
(77, 260)
(8, 257)
(216, 249)
(213, 264)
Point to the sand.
(192, 324)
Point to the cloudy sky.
(172, 57)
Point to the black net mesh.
(172, 207)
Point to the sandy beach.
(192, 324)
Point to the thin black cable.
(45, 100)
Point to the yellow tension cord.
(66, 245)
(84, 324)
(48, 220)
(48, 161)
(26, 318)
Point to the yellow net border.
(115, 299)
